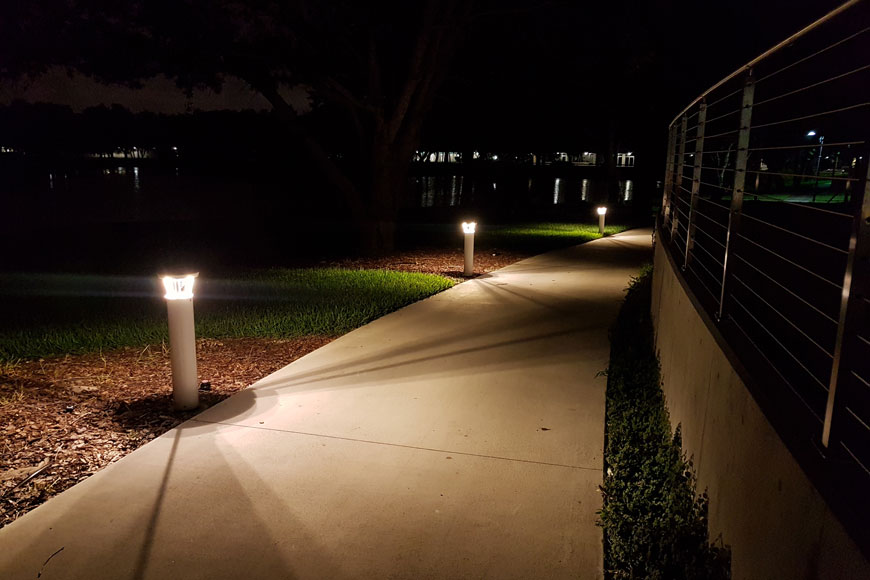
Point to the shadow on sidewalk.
(233, 524)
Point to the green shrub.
(655, 525)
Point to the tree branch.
(424, 41)
(333, 173)
(376, 89)
(333, 89)
(441, 47)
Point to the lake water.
(129, 194)
(463, 191)
(137, 217)
(119, 194)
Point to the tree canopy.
(377, 65)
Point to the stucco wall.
(761, 503)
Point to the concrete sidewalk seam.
(414, 447)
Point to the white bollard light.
(468, 228)
(601, 212)
(182, 340)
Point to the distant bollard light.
(468, 228)
(601, 211)
(182, 340)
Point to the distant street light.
(819, 160)
(601, 212)
(182, 340)
(468, 229)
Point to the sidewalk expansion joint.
(414, 447)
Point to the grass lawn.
(48, 315)
(529, 238)
(44, 315)
(807, 195)
(541, 236)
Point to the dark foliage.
(655, 526)
(374, 68)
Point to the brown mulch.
(65, 418)
(447, 263)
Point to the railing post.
(678, 179)
(667, 194)
(739, 182)
(696, 181)
(854, 291)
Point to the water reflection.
(428, 198)
(118, 194)
(455, 190)
(626, 190)
(458, 190)
(441, 190)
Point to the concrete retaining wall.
(761, 502)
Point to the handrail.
(833, 13)
(770, 229)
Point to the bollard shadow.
(512, 326)
(475, 338)
(526, 333)
(158, 411)
(183, 506)
(521, 316)
(617, 253)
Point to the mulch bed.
(447, 263)
(65, 418)
(68, 417)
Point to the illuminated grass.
(78, 314)
(542, 236)
(56, 314)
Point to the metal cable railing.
(766, 212)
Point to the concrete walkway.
(460, 437)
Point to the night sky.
(529, 71)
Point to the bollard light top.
(468, 227)
(178, 287)
(602, 210)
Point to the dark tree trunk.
(388, 183)
(387, 118)
(376, 237)
(610, 165)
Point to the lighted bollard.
(601, 211)
(182, 341)
(468, 228)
